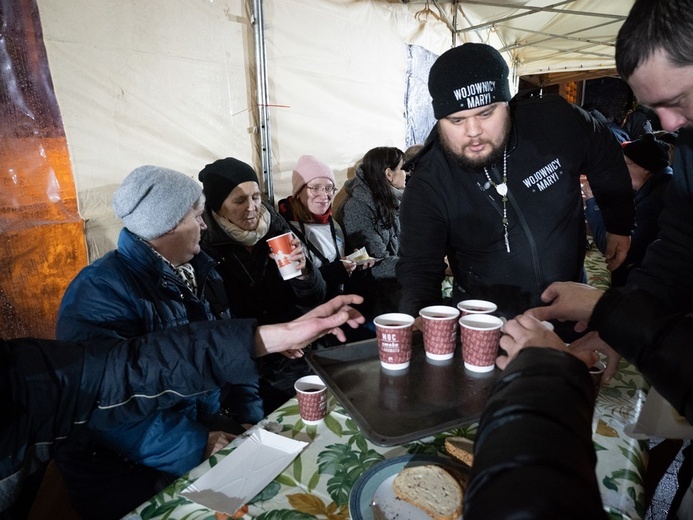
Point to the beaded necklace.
(502, 190)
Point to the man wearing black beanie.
(497, 190)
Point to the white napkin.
(244, 472)
(659, 419)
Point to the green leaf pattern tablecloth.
(317, 484)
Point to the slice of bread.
(432, 489)
(461, 449)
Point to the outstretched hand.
(291, 337)
(527, 331)
(569, 301)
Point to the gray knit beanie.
(152, 200)
(469, 76)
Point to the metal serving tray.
(395, 407)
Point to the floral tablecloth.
(318, 482)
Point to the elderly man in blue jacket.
(156, 279)
(48, 388)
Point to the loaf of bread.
(432, 489)
(461, 449)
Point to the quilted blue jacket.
(129, 292)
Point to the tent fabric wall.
(155, 82)
(173, 83)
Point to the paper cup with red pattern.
(439, 323)
(281, 249)
(476, 307)
(394, 332)
(311, 393)
(480, 336)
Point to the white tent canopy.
(542, 37)
(175, 83)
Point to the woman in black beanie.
(648, 164)
(239, 223)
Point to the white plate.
(372, 497)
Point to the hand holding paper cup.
(394, 332)
(439, 324)
(480, 334)
(281, 249)
(311, 393)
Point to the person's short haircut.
(652, 25)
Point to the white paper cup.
(596, 373)
(476, 307)
(281, 249)
(311, 393)
(439, 331)
(394, 333)
(480, 336)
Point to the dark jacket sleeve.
(666, 269)
(335, 275)
(533, 454)
(312, 290)
(423, 238)
(607, 173)
(646, 222)
(154, 372)
(142, 413)
(643, 331)
(594, 219)
(50, 387)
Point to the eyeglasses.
(327, 190)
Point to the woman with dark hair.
(370, 218)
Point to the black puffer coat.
(533, 455)
(254, 287)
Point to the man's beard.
(465, 163)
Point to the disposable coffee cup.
(281, 249)
(311, 393)
(439, 331)
(476, 307)
(480, 336)
(394, 333)
(596, 373)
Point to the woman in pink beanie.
(309, 213)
